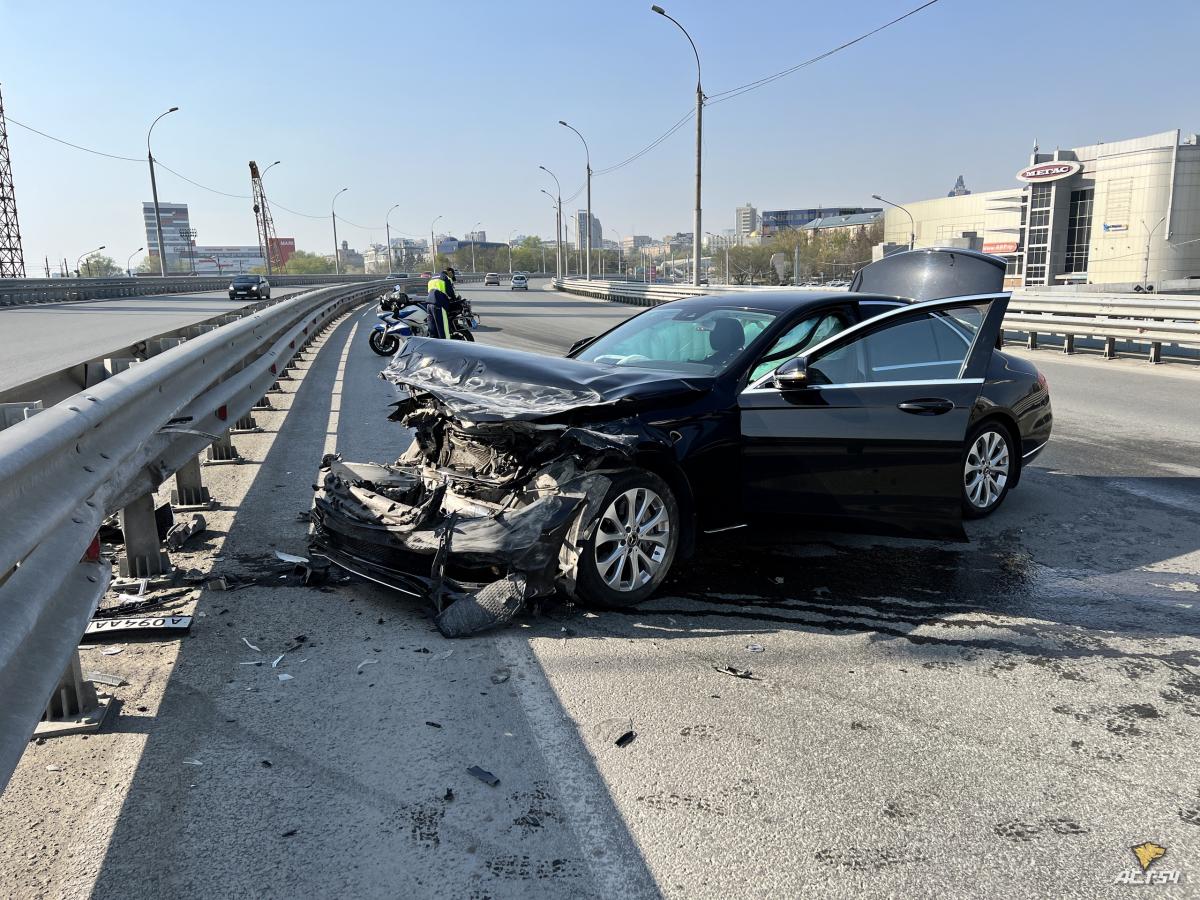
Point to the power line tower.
(267, 241)
(12, 261)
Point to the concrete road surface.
(1002, 718)
(39, 340)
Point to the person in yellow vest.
(441, 296)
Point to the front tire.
(384, 344)
(463, 336)
(634, 543)
(989, 468)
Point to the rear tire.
(989, 469)
(634, 543)
(463, 336)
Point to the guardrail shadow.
(349, 776)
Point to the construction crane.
(267, 242)
(12, 260)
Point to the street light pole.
(337, 253)
(474, 234)
(510, 237)
(697, 234)
(79, 262)
(162, 252)
(559, 223)
(588, 155)
(620, 241)
(432, 248)
(387, 228)
(1146, 264)
(912, 228)
(557, 233)
(129, 262)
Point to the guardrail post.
(74, 707)
(1032, 342)
(1069, 344)
(190, 491)
(222, 451)
(1155, 352)
(245, 424)
(1110, 348)
(144, 555)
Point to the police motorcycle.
(401, 317)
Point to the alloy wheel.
(632, 539)
(985, 473)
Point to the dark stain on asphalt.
(1024, 832)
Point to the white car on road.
(492, 278)
(520, 282)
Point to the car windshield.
(697, 341)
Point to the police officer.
(441, 298)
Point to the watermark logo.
(1147, 854)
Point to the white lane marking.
(604, 839)
(335, 394)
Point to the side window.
(924, 347)
(804, 334)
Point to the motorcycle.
(404, 318)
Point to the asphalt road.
(39, 340)
(1002, 718)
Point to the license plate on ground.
(99, 627)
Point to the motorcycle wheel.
(383, 344)
(463, 336)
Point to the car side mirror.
(792, 375)
(580, 344)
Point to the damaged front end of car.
(477, 517)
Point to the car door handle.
(926, 407)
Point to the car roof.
(779, 301)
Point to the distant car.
(492, 278)
(519, 282)
(425, 275)
(249, 286)
(396, 276)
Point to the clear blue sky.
(449, 108)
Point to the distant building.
(636, 242)
(475, 237)
(174, 222)
(745, 220)
(850, 223)
(375, 260)
(776, 220)
(347, 258)
(959, 189)
(225, 260)
(597, 232)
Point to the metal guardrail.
(106, 449)
(1143, 319)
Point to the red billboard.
(285, 247)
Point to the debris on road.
(737, 673)
(501, 676)
(433, 724)
(284, 677)
(53, 768)
(251, 646)
(291, 558)
(113, 651)
(366, 662)
(755, 648)
(275, 662)
(448, 797)
(625, 739)
(484, 775)
(181, 532)
(291, 832)
(192, 762)
(104, 678)
(98, 628)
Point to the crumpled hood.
(493, 384)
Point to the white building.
(745, 219)
(1110, 213)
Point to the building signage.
(1111, 226)
(1049, 171)
(999, 247)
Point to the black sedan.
(886, 409)
(249, 286)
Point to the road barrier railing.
(106, 450)
(1147, 321)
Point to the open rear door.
(874, 440)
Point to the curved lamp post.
(129, 262)
(387, 227)
(579, 237)
(697, 234)
(162, 252)
(337, 252)
(79, 262)
(912, 227)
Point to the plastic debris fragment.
(484, 775)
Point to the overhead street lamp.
(588, 155)
(696, 232)
(558, 224)
(432, 248)
(129, 262)
(387, 227)
(337, 252)
(79, 262)
(263, 173)
(510, 237)
(912, 227)
(474, 234)
(162, 252)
